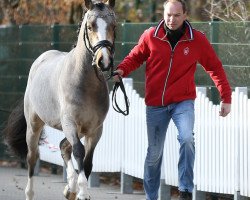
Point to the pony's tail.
(14, 133)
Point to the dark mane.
(77, 32)
(99, 6)
(79, 28)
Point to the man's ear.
(185, 15)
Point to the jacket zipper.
(170, 67)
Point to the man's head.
(175, 13)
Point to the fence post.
(126, 183)
(37, 167)
(123, 39)
(126, 180)
(164, 191)
(55, 36)
(236, 195)
(152, 10)
(94, 179)
(214, 33)
(214, 39)
(238, 139)
(20, 44)
(198, 195)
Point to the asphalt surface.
(50, 187)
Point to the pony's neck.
(82, 54)
(83, 57)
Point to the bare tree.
(227, 10)
(6, 11)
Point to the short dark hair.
(183, 3)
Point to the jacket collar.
(161, 33)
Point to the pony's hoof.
(86, 198)
(69, 195)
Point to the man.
(171, 51)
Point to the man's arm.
(213, 66)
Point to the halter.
(99, 45)
(92, 50)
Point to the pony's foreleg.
(79, 152)
(70, 190)
(90, 143)
(69, 129)
(32, 139)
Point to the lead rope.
(115, 88)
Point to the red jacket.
(170, 72)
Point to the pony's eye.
(89, 28)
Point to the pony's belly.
(51, 120)
(90, 119)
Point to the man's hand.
(116, 77)
(225, 109)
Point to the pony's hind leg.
(34, 129)
(70, 190)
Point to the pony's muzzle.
(103, 57)
(104, 60)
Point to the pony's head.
(99, 32)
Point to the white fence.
(222, 162)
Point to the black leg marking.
(88, 163)
(79, 153)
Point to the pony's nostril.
(101, 62)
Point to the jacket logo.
(186, 51)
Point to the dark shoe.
(185, 195)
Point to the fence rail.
(222, 162)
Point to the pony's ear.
(88, 4)
(111, 3)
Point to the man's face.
(173, 15)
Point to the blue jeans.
(158, 119)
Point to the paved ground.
(50, 187)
